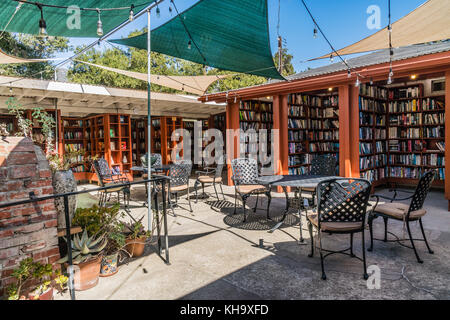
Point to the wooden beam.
(447, 136)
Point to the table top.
(295, 181)
(164, 167)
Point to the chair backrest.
(180, 172)
(219, 168)
(245, 171)
(343, 200)
(323, 165)
(102, 170)
(422, 190)
(158, 157)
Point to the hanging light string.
(81, 8)
(19, 6)
(391, 51)
(329, 43)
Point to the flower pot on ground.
(109, 265)
(46, 295)
(136, 237)
(86, 256)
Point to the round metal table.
(296, 182)
(162, 168)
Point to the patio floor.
(215, 256)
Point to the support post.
(447, 135)
(233, 142)
(69, 247)
(149, 123)
(344, 132)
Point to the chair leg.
(385, 228)
(351, 245)
(311, 236)
(424, 237)
(244, 200)
(370, 221)
(235, 201)
(189, 199)
(196, 193)
(256, 203)
(221, 189)
(269, 200)
(215, 189)
(366, 276)
(412, 242)
(324, 276)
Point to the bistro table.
(161, 168)
(296, 182)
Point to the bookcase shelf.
(313, 128)
(413, 141)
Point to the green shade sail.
(67, 22)
(230, 35)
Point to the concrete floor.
(216, 256)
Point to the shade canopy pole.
(149, 128)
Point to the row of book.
(366, 148)
(255, 116)
(371, 105)
(372, 161)
(403, 93)
(374, 174)
(407, 133)
(367, 119)
(295, 147)
(73, 135)
(414, 173)
(298, 171)
(71, 147)
(418, 160)
(321, 113)
(434, 119)
(297, 111)
(255, 126)
(324, 146)
(366, 133)
(302, 159)
(432, 104)
(330, 101)
(78, 168)
(324, 135)
(407, 119)
(305, 99)
(373, 91)
(256, 106)
(73, 123)
(405, 146)
(297, 135)
(404, 106)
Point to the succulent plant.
(85, 247)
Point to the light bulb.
(10, 90)
(158, 12)
(315, 33)
(357, 83)
(206, 98)
(389, 80)
(189, 45)
(349, 74)
(42, 24)
(132, 13)
(371, 81)
(331, 59)
(170, 9)
(235, 99)
(99, 25)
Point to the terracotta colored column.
(354, 132)
(344, 132)
(232, 147)
(447, 135)
(280, 123)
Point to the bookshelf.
(167, 126)
(74, 139)
(139, 138)
(254, 115)
(402, 134)
(313, 128)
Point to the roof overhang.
(432, 63)
(79, 99)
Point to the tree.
(286, 61)
(31, 47)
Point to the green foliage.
(31, 47)
(136, 230)
(57, 162)
(27, 271)
(48, 125)
(85, 247)
(25, 125)
(286, 60)
(96, 220)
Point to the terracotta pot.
(109, 265)
(135, 247)
(86, 274)
(47, 295)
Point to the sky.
(343, 22)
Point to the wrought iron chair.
(321, 165)
(144, 162)
(210, 176)
(179, 174)
(245, 173)
(107, 178)
(341, 209)
(404, 212)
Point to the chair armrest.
(204, 173)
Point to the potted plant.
(136, 236)
(45, 279)
(87, 256)
(104, 221)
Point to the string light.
(371, 81)
(189, 45)
(349, 73)
(42, 24)
(315, 33)
(331, 58)
(99, 24)
(235, 99)
(10, 90)
(357, 83)
(132, 13)
(158, 12)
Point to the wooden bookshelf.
(254, 115)
(74, 139)
(139, 140)
(313, 128)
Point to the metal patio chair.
(158, 162)
(209, 176)
(106, 178)
(179, 174)
(404, 212)
(245, 173)
(321, 165)
(341, 209)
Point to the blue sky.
(343, 22)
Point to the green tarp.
(64, 22)
(230, 35)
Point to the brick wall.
(27, 230)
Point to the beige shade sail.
(192, 84)
(6, 59)
(429, 22)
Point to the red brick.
(33, 227)
(6, 233)
(7, 281)
(5, 214)
(46, 253)
(46, 191)
(14, 262)
(18, 196)
(7, 273)
(53, 259)
(33, 247)
(9, 253)
(2, 197)
(23, 172)
(25, 211)
(45, 173)
(11, 186)
(3, 173)
(13, 222)
(20, 158)
(50, 224)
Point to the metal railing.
(33, 199)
